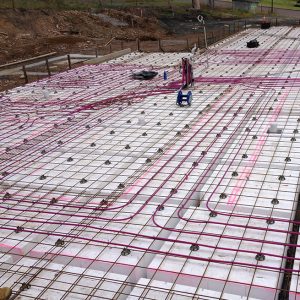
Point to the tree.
(196, 4)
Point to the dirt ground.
(28, 33)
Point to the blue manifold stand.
(184, 98)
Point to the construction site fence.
(215, 32)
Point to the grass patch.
(96, 4)
(288, 4)
(88, 4)
(50, 4)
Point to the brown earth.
(28, 33)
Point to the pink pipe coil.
(196, 132)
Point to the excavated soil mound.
(27, 33)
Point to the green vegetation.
(85, 4)
(94, 4)
(288, 4)
(43, 4)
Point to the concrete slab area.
(109, 190)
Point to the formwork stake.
(159, 46)
(69, 62)
(48, 68)
(25, 74)
(138, 44)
